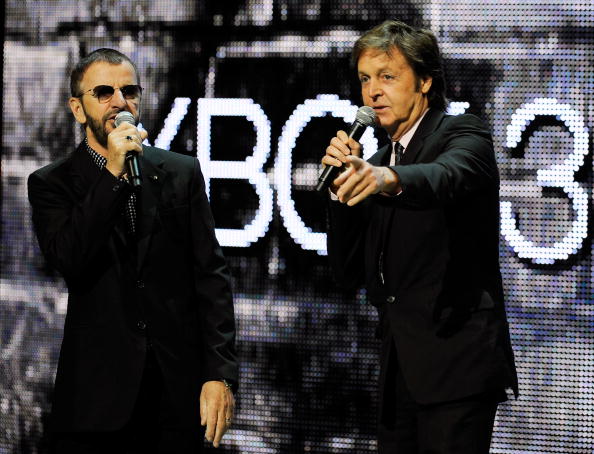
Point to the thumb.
(143, 134)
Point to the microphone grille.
(365, 115)
(124, 117)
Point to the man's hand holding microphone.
(124, 143)
(359, 179)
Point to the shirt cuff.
(385, 194)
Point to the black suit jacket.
(436, 246)
(168, 286)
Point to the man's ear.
(426, 84)
(77, 110)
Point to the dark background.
(308, 357)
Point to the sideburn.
(97, 126)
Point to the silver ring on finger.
(130, 138)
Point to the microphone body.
(132, 166)
(365, 117)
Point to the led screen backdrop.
(255, 89)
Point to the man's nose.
(373, 90)
(118, 100)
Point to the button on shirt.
(130, 208)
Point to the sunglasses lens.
(131, 91)
(103, 92)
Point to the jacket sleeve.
(213, 288)
(71, 232)
(466, 164)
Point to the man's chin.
(101, 139)
(386, 123)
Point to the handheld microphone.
(365, 117)
(132, 167)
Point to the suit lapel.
(428, 124)
(84, 173)
(382, 157)
(148, 197)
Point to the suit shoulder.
(464, 125)
(158, 155)
(463, 120)
(58, 167)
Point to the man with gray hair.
(419, 224)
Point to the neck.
(405, 126)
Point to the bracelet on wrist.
(228, 385)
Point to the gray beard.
(98, 127)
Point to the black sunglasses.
(104, 93)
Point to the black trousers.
(463, 426)
(144, 433)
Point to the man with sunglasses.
(148, 354)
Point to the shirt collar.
(408, 135)
(98, 159)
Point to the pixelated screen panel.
(255, 89)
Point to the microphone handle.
(133, 169)
(331, 172)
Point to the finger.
(221, 427)
(358, 187)
(125, 129)
(341, 146)
(230, 409)
(211, 422)
(330, 161)
(356, 162)
(228, 418)
(137, 147)
(355, 147)
(337, 153)
(346, 189)
(343, 136)
(360, 196)
(203, 408)
(355, 176)
(363, 187)
(131, 142)
(342, 177)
